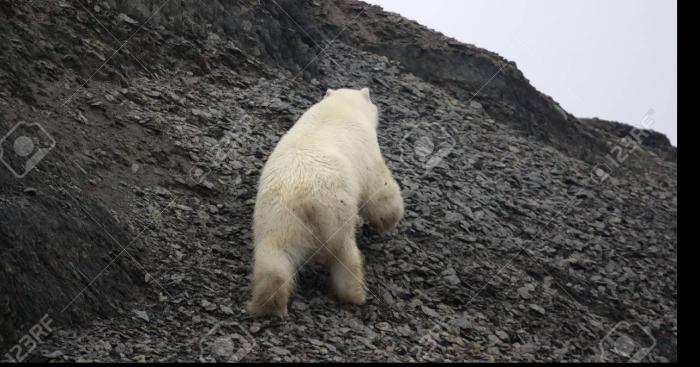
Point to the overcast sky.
(613, 59)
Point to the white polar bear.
(324, 171)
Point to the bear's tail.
(273, 280)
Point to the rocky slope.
(133, 233)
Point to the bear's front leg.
(347, 275)
(384, 208)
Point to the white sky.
(612, 59)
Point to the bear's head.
(357, 100)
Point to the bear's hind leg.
(347, 275)
(273, 282)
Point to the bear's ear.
(329, 91)
(365, 92)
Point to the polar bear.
(324, 176)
